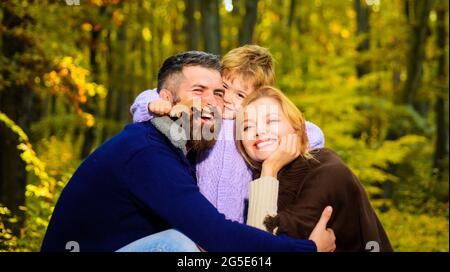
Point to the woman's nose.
(261, 129)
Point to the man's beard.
(201, 136)
(198, 146)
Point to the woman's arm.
(263, 192)
(263, 198)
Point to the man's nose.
(209, 99)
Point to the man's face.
(203, 87)
(203, 83)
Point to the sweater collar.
(173, 132)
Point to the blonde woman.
(289, 199)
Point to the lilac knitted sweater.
(222, 174)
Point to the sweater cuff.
(263, 198)
(306, 246)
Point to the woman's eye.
(274, 120)
(246, 128)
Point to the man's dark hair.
(176, 63)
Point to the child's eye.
(241, 95)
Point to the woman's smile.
(266, 144)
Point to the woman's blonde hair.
(252, 63)
(292, 113)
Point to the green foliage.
(45, 182)
(416, 233)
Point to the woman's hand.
(287, 151)
(160, 107)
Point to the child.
(222, 174)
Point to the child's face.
(236, 89)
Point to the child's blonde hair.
(292, 113)
(252, 63)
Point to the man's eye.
(219, 94)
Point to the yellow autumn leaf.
(146, 34)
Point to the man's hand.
(160, 107)
(323, 237)
(286, 152)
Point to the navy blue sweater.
(137, 184)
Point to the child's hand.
(160, 107)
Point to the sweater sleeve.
(162, 185)
(263, 198)
(139, 109)
(315, 135)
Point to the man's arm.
(139, 109)
(163, 185)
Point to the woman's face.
(264, 126)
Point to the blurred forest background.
(373, 74)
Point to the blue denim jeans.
(165, 241)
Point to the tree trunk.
(92, 104)
(211, 25)
(441, 151)
(249, 22)
(362, 22)
(291, 13)
(415, 58)
(17, 103)
(108, 115)
(191, 26)
(121, 103)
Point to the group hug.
(217, 159)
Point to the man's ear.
(166, 95)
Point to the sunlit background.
(372, 74)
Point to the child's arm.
(315, 136)
(140, 107)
